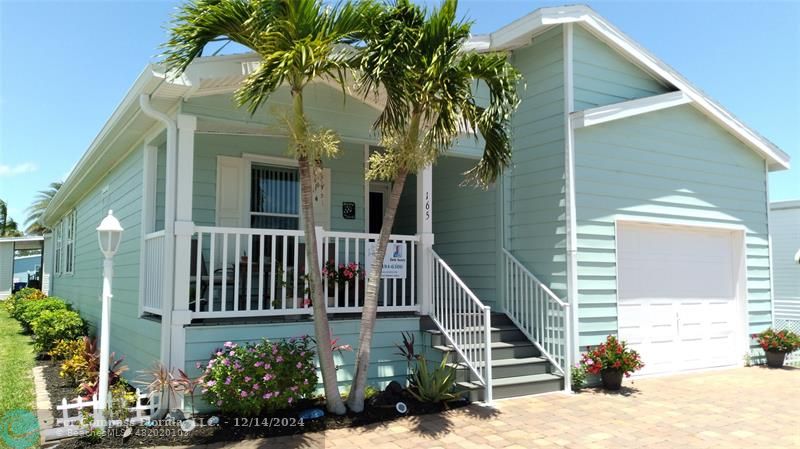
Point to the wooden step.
(500, 349)
(515, 386)
(503, 368)
(500, 332)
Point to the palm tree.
(8, 227)
(35, 211)
(418, 59)
(298, 42)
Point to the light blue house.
(635, 206)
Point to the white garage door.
(677, 291)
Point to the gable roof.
(520, 32)
(127, 127)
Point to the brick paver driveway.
(734, 408)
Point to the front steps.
(517, 366)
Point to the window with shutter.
(274, 197)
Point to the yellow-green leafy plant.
(66, 349)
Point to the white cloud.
(19, 169)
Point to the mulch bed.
(380, 408)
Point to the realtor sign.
(394, 262)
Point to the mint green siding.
(673, 164)
(385, 365)
(602, 76)
(347, 175)
(535, 213)
(121, 190)
(351, 121)
(465, 227)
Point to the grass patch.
(17, 359)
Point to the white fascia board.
(781, 205)
(616, 111)
(524, 26)
(519, 32)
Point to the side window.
(57, 253)
(69, 243)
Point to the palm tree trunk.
(355, 401)
(322, 330)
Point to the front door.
(378, 196)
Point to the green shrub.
(66, 349)
(30, 310)
(433, 386)
(14, 303)
(578, 377)
(247, 380)
(53, 325)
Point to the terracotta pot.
(612, 379)
(775, 359)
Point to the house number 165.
(427, 206)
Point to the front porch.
(222, 227)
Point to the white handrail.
(242, 272)
(541, 315)
(463, 320)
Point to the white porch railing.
(154, 245)
(238, 272)
(538, 313)
(463, 320)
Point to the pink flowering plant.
(613, 354)
(344, 273)
(250, 379)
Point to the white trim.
(616, 111)
(275, 161)
(518, 34)
(679, 222)
(571, 221)
(769, 247)
(270, 160)
(71, 227)
(739, 233)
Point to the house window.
(69, 243)
(274, 197)
(57, 237)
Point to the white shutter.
(322, 201)
(230, 197)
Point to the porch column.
(184, 228)
(425, 233)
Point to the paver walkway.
(734, 408)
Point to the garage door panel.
(677, 296)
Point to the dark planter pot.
(612, 379)
(775, 359)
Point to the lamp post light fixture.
(109, 235)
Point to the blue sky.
(65, 65)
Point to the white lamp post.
(109, 234)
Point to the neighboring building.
(785, 232)
(16, 270)
(639, 203)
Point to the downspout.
(573, 336)
(167, 299)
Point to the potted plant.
(611, 360)
(776, 345)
